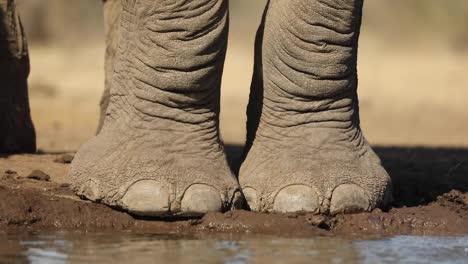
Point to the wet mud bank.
(431, 198)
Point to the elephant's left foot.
(297, 174)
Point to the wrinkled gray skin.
(159, 152)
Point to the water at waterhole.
(69, 247)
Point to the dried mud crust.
(431, 198)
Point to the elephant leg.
(17, 133)
(159, 151)
(305, 148)
(112, 10)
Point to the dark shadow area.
(234, 156)
(17, 134)
(172, 218)
(419, 174)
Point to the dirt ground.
(414, 110)
(431, 198)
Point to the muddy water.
(66, 247)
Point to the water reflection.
(140, 248)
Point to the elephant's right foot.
(154, 175)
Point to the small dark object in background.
(39, 175)
(10, 174)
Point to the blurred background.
(413, 71)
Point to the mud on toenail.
(201, 198)
(349, 198)
(148, 197)
(296, 198)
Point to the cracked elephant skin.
(158, 151)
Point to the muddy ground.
(430, 190)
(412, 90)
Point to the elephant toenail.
(250, 195)
(296, 198)
(91, 191)
(349, 198)
(146, 197)
(201, 198)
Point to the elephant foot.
(153, 175)
(306, 151)
(158, 152)
(323, 171)
(17, 134)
